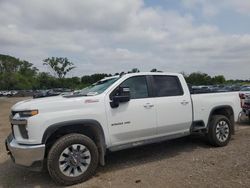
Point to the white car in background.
(6, 93)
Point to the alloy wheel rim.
(222, 131)
(74, 160)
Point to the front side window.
(138, 87)
(167, 86)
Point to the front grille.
(12, 130)
(10, 118)
(21, 127)
(13, 113)
(23, 131)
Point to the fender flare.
(95, 125)
(222, 107)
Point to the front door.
(134, 120)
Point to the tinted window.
(138, 87)
(167, 86)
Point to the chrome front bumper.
(31, 156)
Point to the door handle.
(184, 102)
(148, 105)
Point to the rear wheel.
(220, 130)
(72, 159)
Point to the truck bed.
(203, 104)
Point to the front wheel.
(72, 159)
(220, 131)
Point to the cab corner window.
(167, 86)
(138, 87)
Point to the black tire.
(55, 152)
(212, 136)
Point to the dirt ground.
(185, 162)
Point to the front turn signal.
(28, 113)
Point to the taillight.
(242, 96)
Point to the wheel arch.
(225, 110)
(88, 127)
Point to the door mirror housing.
(122, 95)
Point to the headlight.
(28, 113)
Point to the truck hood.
(54, 103)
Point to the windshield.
(98, 87)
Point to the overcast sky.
(117, 35)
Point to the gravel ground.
(185, 162)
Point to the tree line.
(16, 74)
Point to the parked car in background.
(67, 93)
(51, 92)
(40, 93)
(54, 92)
(24, 93)
(200, 89)
(245, 90)
(9, 93)
(229, 88)
(6, 93)
(14, 93)
(246, 104)
(210, 89)
(244, 93)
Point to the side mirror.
(122, 95)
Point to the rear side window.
(138, 87)
(167, 86)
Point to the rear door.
(173, 105)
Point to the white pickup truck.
(71, 134)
